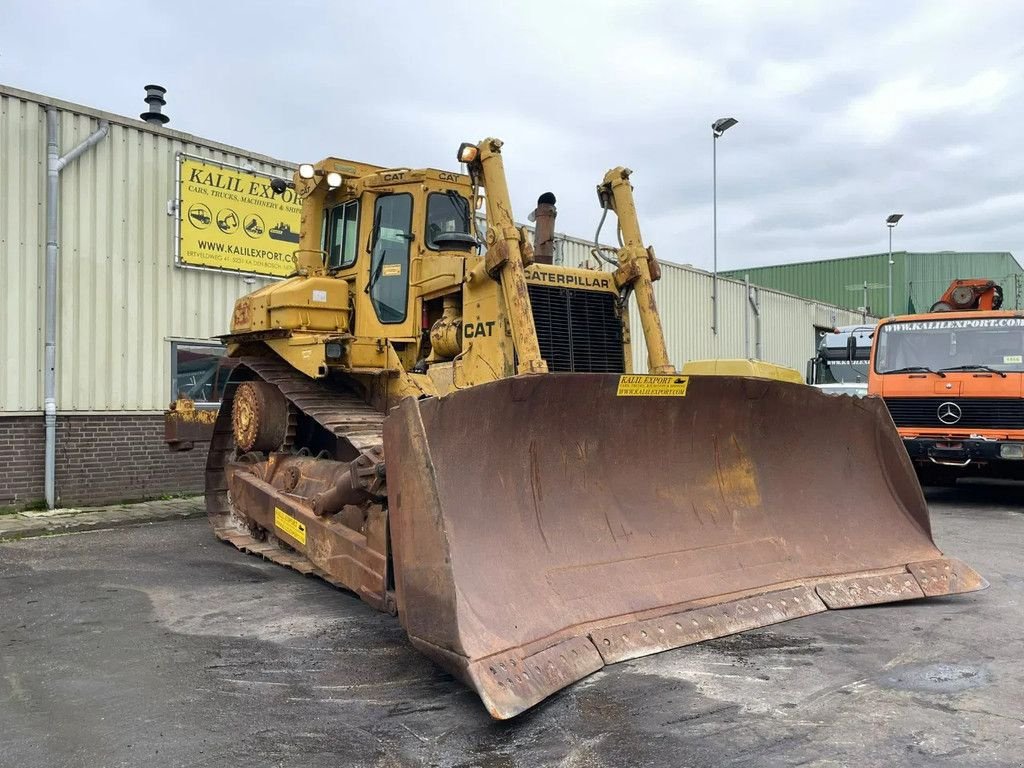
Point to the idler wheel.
(259, 416)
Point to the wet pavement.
(160, 646)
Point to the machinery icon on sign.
(253, 226)
(227, 221)
(284, 232)
(200, 216)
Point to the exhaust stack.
(543, 217)
(155, 100)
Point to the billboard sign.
(230, 219)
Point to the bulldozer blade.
(546, 526)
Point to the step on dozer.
(449, 427)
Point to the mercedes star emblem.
(949, 413)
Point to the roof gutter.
(54, 165)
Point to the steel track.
(336, 410)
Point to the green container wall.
(919, 279)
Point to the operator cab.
(438, 220)
(373, 210)
(387, 250)
(375, 223)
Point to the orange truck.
(953, 380)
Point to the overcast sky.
(848, 111)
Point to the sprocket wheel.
(259, 417)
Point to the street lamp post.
(718, 127)
(891, 222)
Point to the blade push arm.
(635, 262)
(507, 255)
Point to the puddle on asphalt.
(936, 677)
(256, 611)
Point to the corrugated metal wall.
(918, 278)
(122, 300)
(929, 275)
(121, 297)
(22, 236)
(684, 300)
(839, 281)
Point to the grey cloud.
(847, 110)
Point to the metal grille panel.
(979, 413)
(579, 331)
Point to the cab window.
(446, 212)
(389, 260)
(342, 231)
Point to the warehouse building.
(136, 302)
(862, 282)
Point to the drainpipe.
(54, 165)
(746, 318)
(752, 297)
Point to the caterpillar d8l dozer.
(457, 437)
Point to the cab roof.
(967, 314)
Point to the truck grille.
(579, 331)
(976, 412)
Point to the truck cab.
(953, 382)
(840, 366)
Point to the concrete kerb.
(28, 524)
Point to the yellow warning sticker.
(652, 386)
(391, 270)
(285, 522)
(1011, 359)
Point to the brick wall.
(21, 459)
(101, 459)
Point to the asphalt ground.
(159, 646)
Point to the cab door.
(384, 297)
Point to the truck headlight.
(306, 171)
(1011, 451)
(467, 152)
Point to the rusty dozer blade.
(545, 526)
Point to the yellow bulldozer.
(447, 424)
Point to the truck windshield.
(993, 342)
(840, 371)
(843, 356)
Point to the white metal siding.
(22, 236)
(121, 297)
